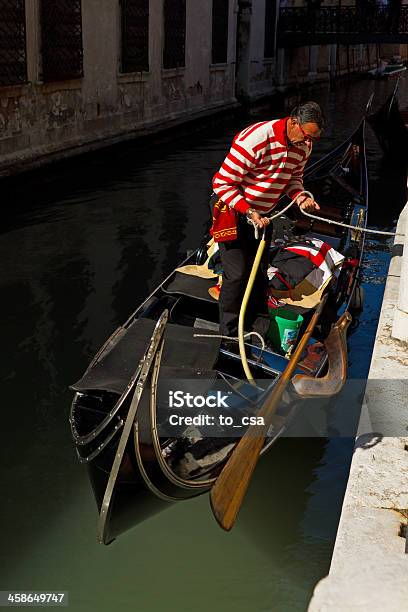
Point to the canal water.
(82, 243)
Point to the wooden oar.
(228, 492)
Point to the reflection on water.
(81, 245)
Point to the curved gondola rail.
(140, 384)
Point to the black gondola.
(391, 129)
(118, 415)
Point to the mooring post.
(400, 325)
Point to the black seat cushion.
(117, 364)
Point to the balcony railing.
(342, 24)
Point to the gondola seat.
(191, 286)
(114, 368)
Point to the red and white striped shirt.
(260, 167)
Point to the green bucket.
(283, 328)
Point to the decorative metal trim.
(106, 506)
(148, 482)
(174, 52)
(61, 40)
(13, 52)
(200, 486)
(135, 35)
(84, 440)
(220, 9)
(101, 447)
(145, 476)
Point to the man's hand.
(307, 204)
(258, 220)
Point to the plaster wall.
(43, 120)
(262, 70)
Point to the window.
(135, 35)
(174, 52)
(13, 61)
(270, 18)
(61, 34)
(220, 31)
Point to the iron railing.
(220, 31)
(135, 35)
(174, 51)
(61, 39)
(13, 56)
(370, 22)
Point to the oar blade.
(229, 490)
(231, 485)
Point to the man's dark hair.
(308, 112)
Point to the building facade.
(312, 63)
(79, 74)
(75, 74)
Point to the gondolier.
(266, 160)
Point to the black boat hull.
(135, 471)
(391, 130)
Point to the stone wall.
(44, 120)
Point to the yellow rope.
(250, 284)
(243, 308)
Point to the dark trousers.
(237, 257)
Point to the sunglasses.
(308, 136)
